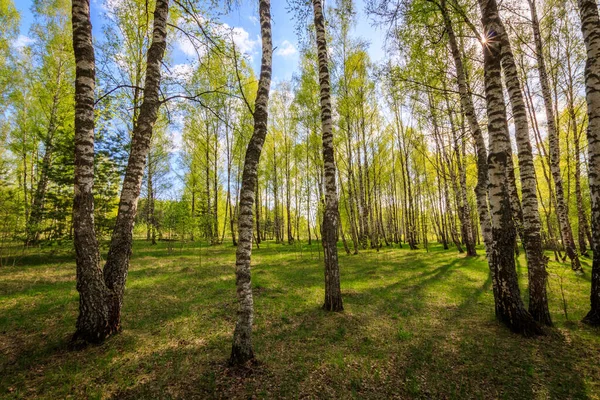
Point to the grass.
(416, 324)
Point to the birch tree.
(329, 227)
(242, 350)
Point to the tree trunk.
(590, 27)
(257, 210)
(36, 216)
(536, 260)
(276, 220)
(117, 262)
(583, 227)
(241, 350)
(228, 204)
(288, 186)
(151, 195)
(561, 206)
(329, 228)
(509, 306)
(215, 182)
(93, 320)
(37, 208)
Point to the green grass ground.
(416, 324)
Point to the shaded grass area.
(417, 324)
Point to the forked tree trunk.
(117, 262)
(241, 350)
(561, 206)
(590, 27)
(532, 240)
(93, 320)
(329, 228)
(509, 306)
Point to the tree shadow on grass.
(178, 321)
(471, 357)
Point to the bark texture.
(117, 263)
(509, 306)
(93, 320)
(329, 227)
(590, 27)
(531, 232)
(242, 351)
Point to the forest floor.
(417, 324)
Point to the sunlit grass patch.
(417, 324)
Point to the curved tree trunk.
(93, 320)
(329, 228)
(241, 350)
(509, 306)
(590, 27)
(117, 263)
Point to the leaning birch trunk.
(93, 320)
(329, 228)
(590, 27)
(509, 306)
(466, 102)
(561, 207)
(241, 350)
(117, 262)
(532, 240)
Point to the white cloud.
(242, 40)
(253, 19)
(185, 45)
(182, 71)
(22, 41)
(176, 140)
(111, 5)
(239, 35)
(286, 49)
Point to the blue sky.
(244, 21)
(246, 32)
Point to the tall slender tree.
(590, 27)
(329, 227)
(241, 350)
